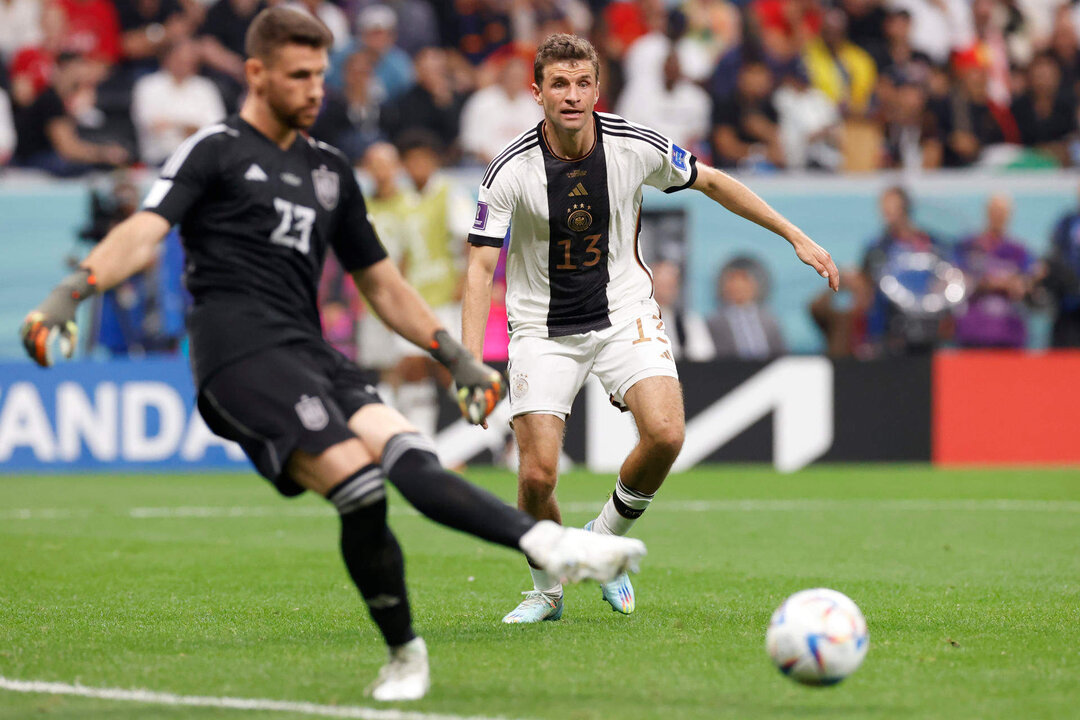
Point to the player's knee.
(665, 438)
(538, 479)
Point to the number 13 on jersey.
(592, 253)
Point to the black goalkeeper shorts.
(291, 397)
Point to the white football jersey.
(573, 262)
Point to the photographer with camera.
(145, 314)
(915, 286)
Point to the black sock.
(372, 554)
(410, 462)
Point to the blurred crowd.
(840, 85)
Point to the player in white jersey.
(579, 295)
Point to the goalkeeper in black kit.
(259, 205)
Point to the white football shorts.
(546, 373)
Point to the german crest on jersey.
(312, 413)
(326, 187)
(580, 219)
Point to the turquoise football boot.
(536, 607)
(619, 593)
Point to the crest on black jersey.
(326, 187)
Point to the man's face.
(892, 208)
(291, 83)
(420, 164)
(569, 93)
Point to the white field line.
(163, 698)
(680, 506)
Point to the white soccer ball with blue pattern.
(817, 637)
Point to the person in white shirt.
(171, 104)
(579, 296)
(495, 115)
(677, 108)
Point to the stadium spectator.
(7, 129)
(144, 314)
(838, 67)
(902, 246)
(377, 26)
(971, 123)
(678, 108)
(171, 104)
(712, 28)
(432, 104)
(896, 56)
(866, 24)
(689, 334)
(998, 270)
(643, 63)
(1062, 280)
(33, 66)
(809, 123)
(746, 47)
(349, 119)
(1046, 114)
(787, 26)
(938, 26)
(221, 39)
(20, 26)
(496, 114)
(742, 327)
(745, 131)
(147, 26)
(911, 132)
(989, 48)
(624, 21)
(48, 137)
(417, 24)
(842, 316)
(1064, 45)
(331, 16)
(432, 263)
(477, 28)
(93, 29)
(390, 206)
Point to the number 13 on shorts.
(651, 329)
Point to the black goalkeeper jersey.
(256, 223)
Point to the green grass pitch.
(211, 585)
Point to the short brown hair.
(563, 46)
(276, 27)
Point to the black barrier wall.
(881, 411)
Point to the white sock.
(537, 542)
(545, 583)
(621, 510)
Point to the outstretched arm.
(742, 201)
(128, 248)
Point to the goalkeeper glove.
(56, 317)
(479, 387)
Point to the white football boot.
(405, 676)
(619, 593)
(536, 607)
(573, 555)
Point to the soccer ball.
(817, 637)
